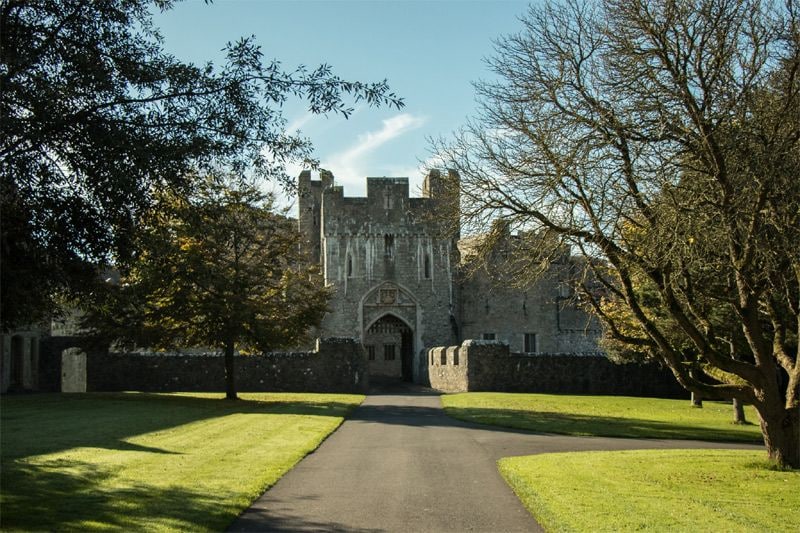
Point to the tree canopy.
(217, 268)
(661, 140)
(95, 116)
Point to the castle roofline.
(386, 179)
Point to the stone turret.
(435, 185)
(309, 205)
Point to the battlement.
(395, 188)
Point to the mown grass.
(609, 416)
(656, 490)
(151, 462)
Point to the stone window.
(427, 266)
(489, 336)
(388, 352)
(349, 266)
(388, 245)
(370, 352)
(530, 343)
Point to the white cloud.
(299, 123)
(352, 165)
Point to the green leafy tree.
(661, 140)
(95, 116)
(216, 269)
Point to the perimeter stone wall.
(336, 365)
(489, 366)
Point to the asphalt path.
(398, 463)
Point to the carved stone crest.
(387, 296)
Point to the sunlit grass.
(656, 490)
(610, 416)
(152, 462)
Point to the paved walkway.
(400, 464)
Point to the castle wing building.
(398, 280)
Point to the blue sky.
(430, 52)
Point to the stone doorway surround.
(389, 299)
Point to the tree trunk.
(781, 429)
(230, 369)
(738, 412)
(697, 400)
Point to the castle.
(401, 287)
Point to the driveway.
(400, 464)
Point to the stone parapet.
(489, 366)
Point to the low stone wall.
(488, 366)
(337, 365)
(447, 368)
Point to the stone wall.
(489, 366)
(337, 365)
(447, 369)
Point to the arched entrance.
(389, 343)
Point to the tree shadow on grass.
(69, 495)
(524, 421)
(66, 495)
(596, 426)
(48, 423)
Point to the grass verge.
(609, 416)
(154, 462)
(655, 490)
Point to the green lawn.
(663, 490)
(154, 462)
(610, 416)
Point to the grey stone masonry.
(335, 365)
(490, 366)
(400, 285)
(388, 260)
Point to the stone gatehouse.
(400, 287)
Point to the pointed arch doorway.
(389, 343)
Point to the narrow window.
(427, 266)
(530, 343)
(488, 336)
(388, 245)
(370, 352)
(388, 352)
(349, 266)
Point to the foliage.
(661, 141)
(219, 269)
(95, 116)
(152, 462)
(607, 416)
(655, 490)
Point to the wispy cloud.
(351, 163)
(299, 122)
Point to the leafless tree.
(660, 139)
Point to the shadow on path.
(388, 410)
(399, 463)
